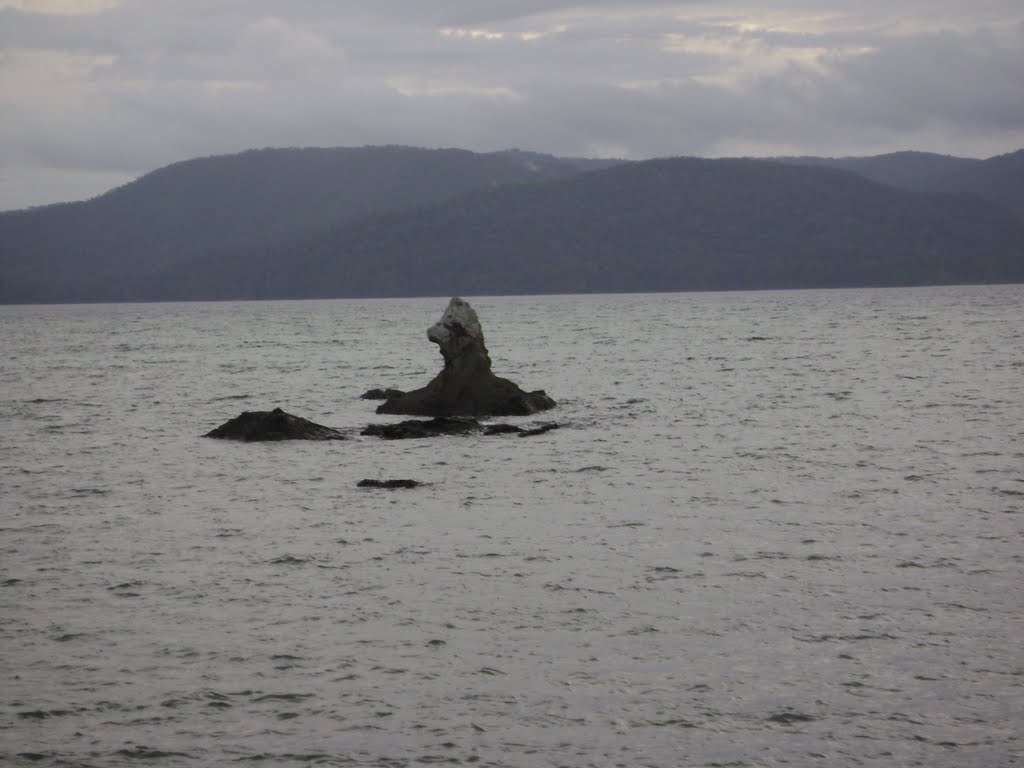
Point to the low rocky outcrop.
(465, 386)
(253, 426)
(417, 428)
(539, 430)
(450, 425)
(502, 429)
(506, 429)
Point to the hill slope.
(998, 179)
(680, 224)
(107, 247)
(383, 221)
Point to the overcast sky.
(94, 93)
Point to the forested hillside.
(682, 224)
(998, 179)
(385, 221)
(111, 246)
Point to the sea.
(772, 528)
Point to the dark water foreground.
(774, 528)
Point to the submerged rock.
(465, 386)
(381, 394)
(505, 429)
(416, 428)
(389, 483)
(538, 430)
(502, 429)
(449, 425)
(253, 426)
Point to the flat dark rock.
(512, 429)
(416, 428)
(538, 430)
(501, 429)
(253, 426)
(389, 483)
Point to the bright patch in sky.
(472, 34)
(60, 7)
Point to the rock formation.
(252, 426)
(465, 386)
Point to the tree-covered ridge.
(998, 179)
(112, 245)
(682, 224)
(384, 221)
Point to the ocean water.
(773, 528)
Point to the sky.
(94, 93)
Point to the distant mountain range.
(999, 179)
(400, 221)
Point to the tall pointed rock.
(465, 386)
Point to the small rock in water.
(381, 394)
(388, 483)
(253, 426)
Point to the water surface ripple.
(774, 528)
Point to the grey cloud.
(963, 78)
(186, 78)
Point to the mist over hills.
(392, 221)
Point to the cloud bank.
(96, 92)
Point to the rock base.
(484, 396)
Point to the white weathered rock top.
(457, 327)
